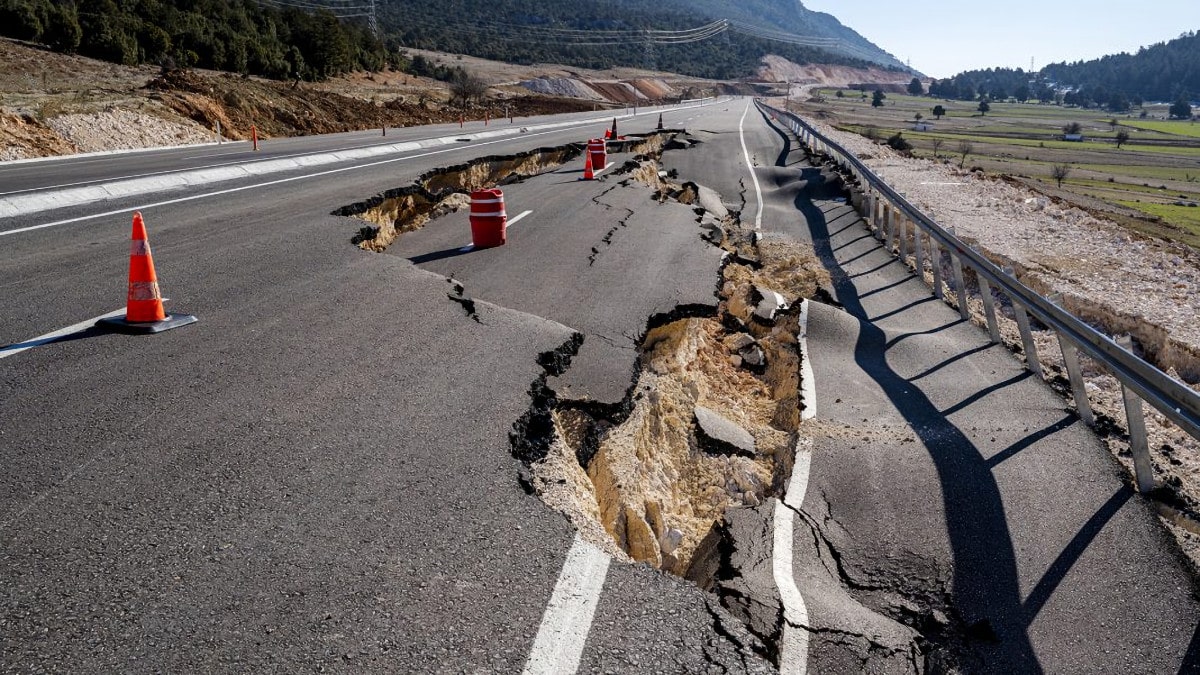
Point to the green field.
(1176, 128)
(1187, 217)
(1024, 140)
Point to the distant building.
(923, 126)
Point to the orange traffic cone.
(607, 134)
(588, 173)
(144, 311)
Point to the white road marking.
(808, 388)
(29, 203)
(750, 165)
(607, 166)
(52, 336)
(243, 188)
(793, 648)
(512, 222)
(568, 618)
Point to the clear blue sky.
(943, 38)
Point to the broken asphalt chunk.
(721, 436)
(770, 303)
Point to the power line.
(341, 9)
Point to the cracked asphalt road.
(952, 493)
(317, 475)
(600, 257)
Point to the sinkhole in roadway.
(709, 423)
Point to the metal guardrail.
(887, 211)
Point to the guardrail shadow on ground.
(986, 587)
(970, 496)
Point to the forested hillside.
(1162, 72)
(1167, 71)
(288, 39)
(240, 36)
(607, 33)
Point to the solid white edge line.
(243, 188)
(750, 166)
(808, 387)
(17, 348)
(793, 648)
(563, 632)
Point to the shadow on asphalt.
(442, 255)
(957, 357)
(1016, 448)
(1070, 555)
(1191, 660)
(91, 332)
(986, 588)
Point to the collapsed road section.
(665, 430)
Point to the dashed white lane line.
(512, 222)
(17, 348)
(750, 166)
(568, 618)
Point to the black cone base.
(118, 324)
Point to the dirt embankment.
(53, 104)
(289, 109)
(778, 69)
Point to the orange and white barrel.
(599, 153)
(489, 221)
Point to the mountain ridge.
(607, 33)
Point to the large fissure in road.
(446, 190)
(708, 426)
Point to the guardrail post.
(902, 238)
(935, 259)
(919, 250)
(1143, 469)
(960, 287)
(877, 217)
(989, 309)
(889, 224)
(1030, 347)
(1074, 373)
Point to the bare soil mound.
(22, 137)
(778, 69)
(291, 109)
